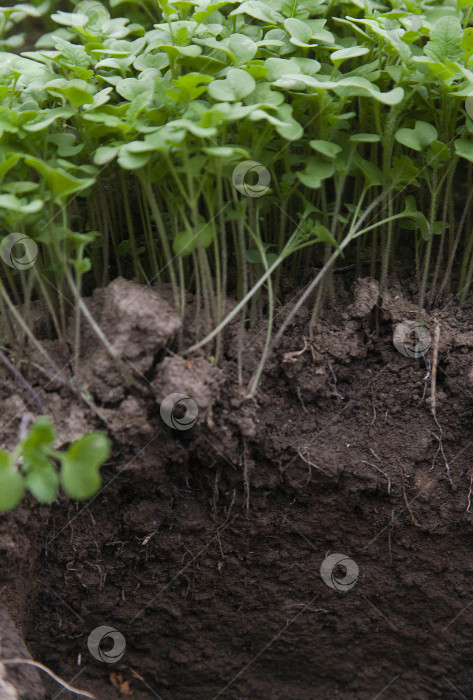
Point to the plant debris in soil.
(204, 547)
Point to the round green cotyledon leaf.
(464, 149)
(41, 433)
(469, 106)
(187, 241)
(418, 138)
(79, 476)
(12, 485)
(327, 148)
(337, 57)
(237, 84)
(315, 171)
(365, 138)
(43, 483)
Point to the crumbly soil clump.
(204, 546)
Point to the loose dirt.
(204, 547)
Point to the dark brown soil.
(204, 546)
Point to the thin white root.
(47, 670)
(381, 472)
(433, 376)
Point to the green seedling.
(31, 466)
(120, 133)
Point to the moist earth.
(204, 546)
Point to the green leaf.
(134, 155)
(403, 171)
(238, 47)
(77, 96)
(74, 55)
(467, 41)
(290, 129)
(43, 482)
(105, 154)
(224, 152)
(327, 148)
(41, 434)
(242, 47)
(323, 235)
(237, 84)
(300, 32)
(265, 97)
(20, 187)
(79, 476)
(187, 88)
(158, 61)
(372, 173)
(59, 182)
(49, 117)
(202, 15)
(254, 256)
(365, 138)
(345, 86)
(280, 68)
(13, 203)
(445, 40)
(315, 172)
(130, 88)
(464, 149)
(65, 144)
(187, 241)
(258, 10)
(174, 52)
(337, 57)
(303, 32)
(418, 138)
(419, 219)
(12, 484)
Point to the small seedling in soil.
(30, 466)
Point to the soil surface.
(204, 547)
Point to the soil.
(204, 546)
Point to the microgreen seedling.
(121, 132)
(31, 466)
